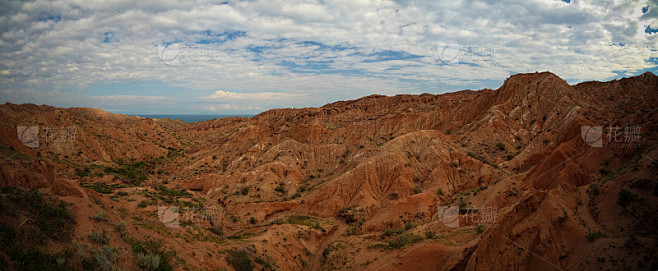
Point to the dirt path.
(339, 229)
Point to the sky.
(244, 57)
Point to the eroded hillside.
(364, 184)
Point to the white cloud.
(57, 46)
(228, 95)
(232, 107)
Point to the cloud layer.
(248, 56)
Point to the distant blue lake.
(191, 118)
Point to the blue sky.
(245, 57)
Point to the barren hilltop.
(537, 174)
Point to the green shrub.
(102, 188)
(417, 190)
(153, 246)
(240, 260)
(392, 232)
(563, 217)
(280, 189)
(479, 228)
(594, 188)
(352, 230)
(173, 193)
(53, 217)
(403, 240)
(300, 220)
(430, 234)
(101, 258)
(135, 173)
(500, 146)
(593, 235)
(393, 196)
(98, 236)
(625, 197)
(32, 259)
(82, 172)
(100, 216)
(148, 262)
(122, 229)
(145, 203)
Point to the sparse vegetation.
(165, 191)
(152, 247)
(592, 235)
(135, 173)
(430, 234)
(149, 262)
(393, 196)
(403, 240)
(417, 190)
(594, 188)
(50, 215)
(101, 258)
(245, 190)
(479, 228)
(100, 216)
(625, 197)
(98, 237)
(500, 146)
(122, 229)
(240, 260)
(102, 188)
